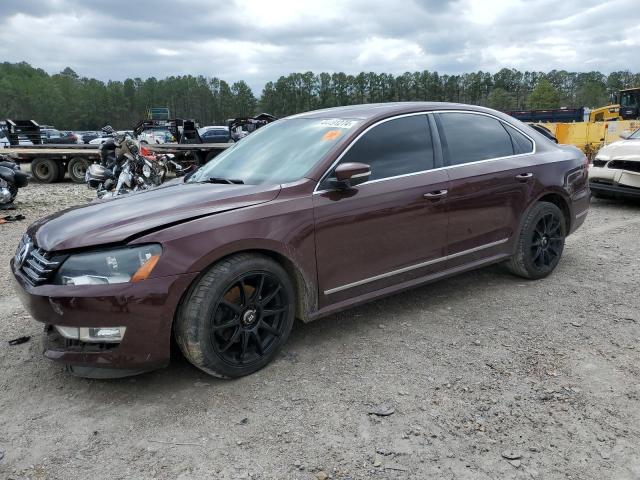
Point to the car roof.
(372, 111)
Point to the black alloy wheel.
(236, 316)
(249, 318)
(547, 241)
(540, 242)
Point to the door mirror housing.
(348, 175)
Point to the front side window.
(395, 147)
(469, 137)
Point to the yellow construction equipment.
(625, 106)
(591, 136)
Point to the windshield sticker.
(338, 123)
(331, 135)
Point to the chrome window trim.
(344, 152)
(413, 267)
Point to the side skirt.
(384, 292)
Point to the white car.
(616, 169)
(156, 135)
(101, 140)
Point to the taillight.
(144, 151)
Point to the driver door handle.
(523, 177)
(436, 194)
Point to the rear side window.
(469, 137)
(395, 147)
(521, 144)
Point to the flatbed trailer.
(198, 153)
(50, 162)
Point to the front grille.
(37, 265)
(625, 165)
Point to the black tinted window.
(469, 137)
(395, 147)
(521, 144)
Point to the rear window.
(521, 144)
(469, 137)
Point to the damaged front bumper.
(614, 182)
(145, 309)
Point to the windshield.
(280, 152)
(630, 99)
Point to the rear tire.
(540, 242)
(237, 316)
(45, 170)
(77, 169)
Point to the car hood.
(622, 150)
(116, 220)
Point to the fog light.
(93, 334)
(102, 334)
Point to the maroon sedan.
(307, 216)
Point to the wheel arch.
(559, 201)
(305, 289)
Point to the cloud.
(258, 41)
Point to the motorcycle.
(124, 168)
(11, 179)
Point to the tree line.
(69, 101)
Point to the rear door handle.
(523, 177)
(436, 194)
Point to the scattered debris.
(515, 463)
(19, 340)
(576, 324)
(1, 455)
(399, 468)
(511, 455)
(383, 410)
(176, 443)
(321, 475)
(12, 218)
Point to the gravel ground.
(475, 368)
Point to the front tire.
(540, 242)
(237, 316)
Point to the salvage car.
(307, 216)
(616, 169)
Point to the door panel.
(490, 185)
(486, 202)
(365, 234)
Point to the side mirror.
(348, 175)
(626, 134)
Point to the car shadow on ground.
(346, 326)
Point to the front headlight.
(128, 264)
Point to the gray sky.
(260, 40)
